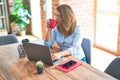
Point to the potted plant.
(20, 15)
(40, 67)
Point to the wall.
(43, 18)
(36, 18)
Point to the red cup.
(53, 23)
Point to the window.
(107, 25)
(3, 15)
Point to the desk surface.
(14, 68)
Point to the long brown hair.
(68, 20)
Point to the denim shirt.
(71, 42)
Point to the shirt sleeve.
(76, 46)
(51, 41)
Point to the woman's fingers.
(48, 23)
(56, 56)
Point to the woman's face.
(57, 16)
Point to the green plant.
(20, 14)
(39, 64)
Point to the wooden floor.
(100, 59)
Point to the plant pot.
(40, 70)
(22, 33)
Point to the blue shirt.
(71, 42)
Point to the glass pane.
(1, 1)
(1, 24)
(0, 10)
(107, 5)
(107, 31)
(3, 17)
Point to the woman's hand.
(48, 31)
(60, 54)
(48, 24)
(56, 56)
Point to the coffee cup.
(53, 23)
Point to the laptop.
(36, 52)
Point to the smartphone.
(69, 64)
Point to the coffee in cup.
(53, 23)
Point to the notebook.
(37, 52)
(60, 66)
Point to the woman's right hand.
(48, 24)
(48, 31)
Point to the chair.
(114, 68)
(8, 39)
(86, 45)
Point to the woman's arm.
(62, 53)
(48, 34)
(50, 37)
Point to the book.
(67, 66)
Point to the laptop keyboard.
(57, 60)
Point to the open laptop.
(37, 52)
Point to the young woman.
(67, 34)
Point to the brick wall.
(85, 13)
(43, 16)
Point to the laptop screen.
(37, 52)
